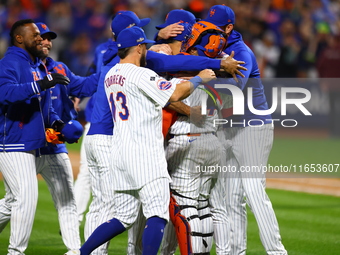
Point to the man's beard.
(33, 50)
(42, 55)
(142, 61)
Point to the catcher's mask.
(208, 39)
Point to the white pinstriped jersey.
(183, 125)
(137, 96)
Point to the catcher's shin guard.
(182, 227)
(207, 224)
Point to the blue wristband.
(196, 81)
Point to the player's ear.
(193, 51)
(139, 48)
(229, 28)
(19, 39)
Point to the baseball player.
(25, 111)
(82, 185)
(250, 146)
(98, 140)
(52, 161)
(185, 20)
(136, 96)
(194, 145)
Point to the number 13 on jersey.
(119, 98)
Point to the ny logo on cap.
(131, 25)
(44, 26)
(212, 12)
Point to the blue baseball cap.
(131, 36)
(126, 19)
(72, 131)
(178, 15)
(43, 28)
(221, 15)
(185, 33)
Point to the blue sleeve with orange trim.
(167, 63)
(79, 86)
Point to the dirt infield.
(326, 186)
(316, 133)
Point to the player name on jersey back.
(114, 80)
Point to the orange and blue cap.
(43, 28)
(220, 15)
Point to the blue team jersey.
(252, 80)
(96, 68)
(25, 110)
(101, 117)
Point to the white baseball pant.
(154, 197)
(189, 159)
(82, 185)
(98, 151)
(135, 235)
(20, 202)
(218, 205)
(56, 169)
(251, 146)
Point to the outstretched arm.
(165, 63)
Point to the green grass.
(293, 151)
(309, 225)
(289, 151)
(74, 146)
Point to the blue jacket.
(252, 79)
(79, 87)
(95, 68)
(25, 111)
(101, 117)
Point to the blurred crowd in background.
(287, 36)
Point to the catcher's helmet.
(207, 38)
